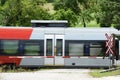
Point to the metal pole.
(110, 60)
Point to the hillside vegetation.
(82, 13)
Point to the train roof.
(69, 29)
(76, 29)
(70, 33)
(49, 21)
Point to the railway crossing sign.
(109, 44)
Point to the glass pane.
(59, 47)
(75, 49)
(32, 49)
(96, 50)
(10, 46)
(49, 47)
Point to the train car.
(56, 46)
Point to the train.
(56, 46)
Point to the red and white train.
(55, 46)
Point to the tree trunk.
(84, 24)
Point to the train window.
(75, 49)
(10, 46)
(49, 47)
(96, 50)
(32, 49)
(59, 47)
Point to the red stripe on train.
(66, 56)
(10, 60)
(15, 33)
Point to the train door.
(54, 50)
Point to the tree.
(2, 2)
(85, 17)
(67, 4)
(9, 11)
(79, 7)
(66, 15)
(20, 12)
(50, 1)
(33, 10)
(109, 13)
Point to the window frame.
(2, 48)
(39, 42)
(67, 42)
(49, 41)
(21, 46)
(59, 41)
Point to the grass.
(14, 69)
(0, 69)
(6, 68)
(93, 24)
(90, 24)
(97, 74)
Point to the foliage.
(74, 5)
(85, 17)
(2, 2)
(90, 24)
(20, 12)
(66, 15)
(81, 8)
(33, 12)
(109, 13)
(50, 1)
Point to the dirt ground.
(54, 74)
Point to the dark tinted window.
(49, 47)
(9, 47)
(75, 49)
(84, 48)
(33, 48)
(59, 47)
(97, 49)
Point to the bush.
(66, 15)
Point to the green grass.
(90, 24)
(93, 24)
(7, 68)
(0, 69)
(96, 73)
(14, 69)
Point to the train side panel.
(29, 47)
